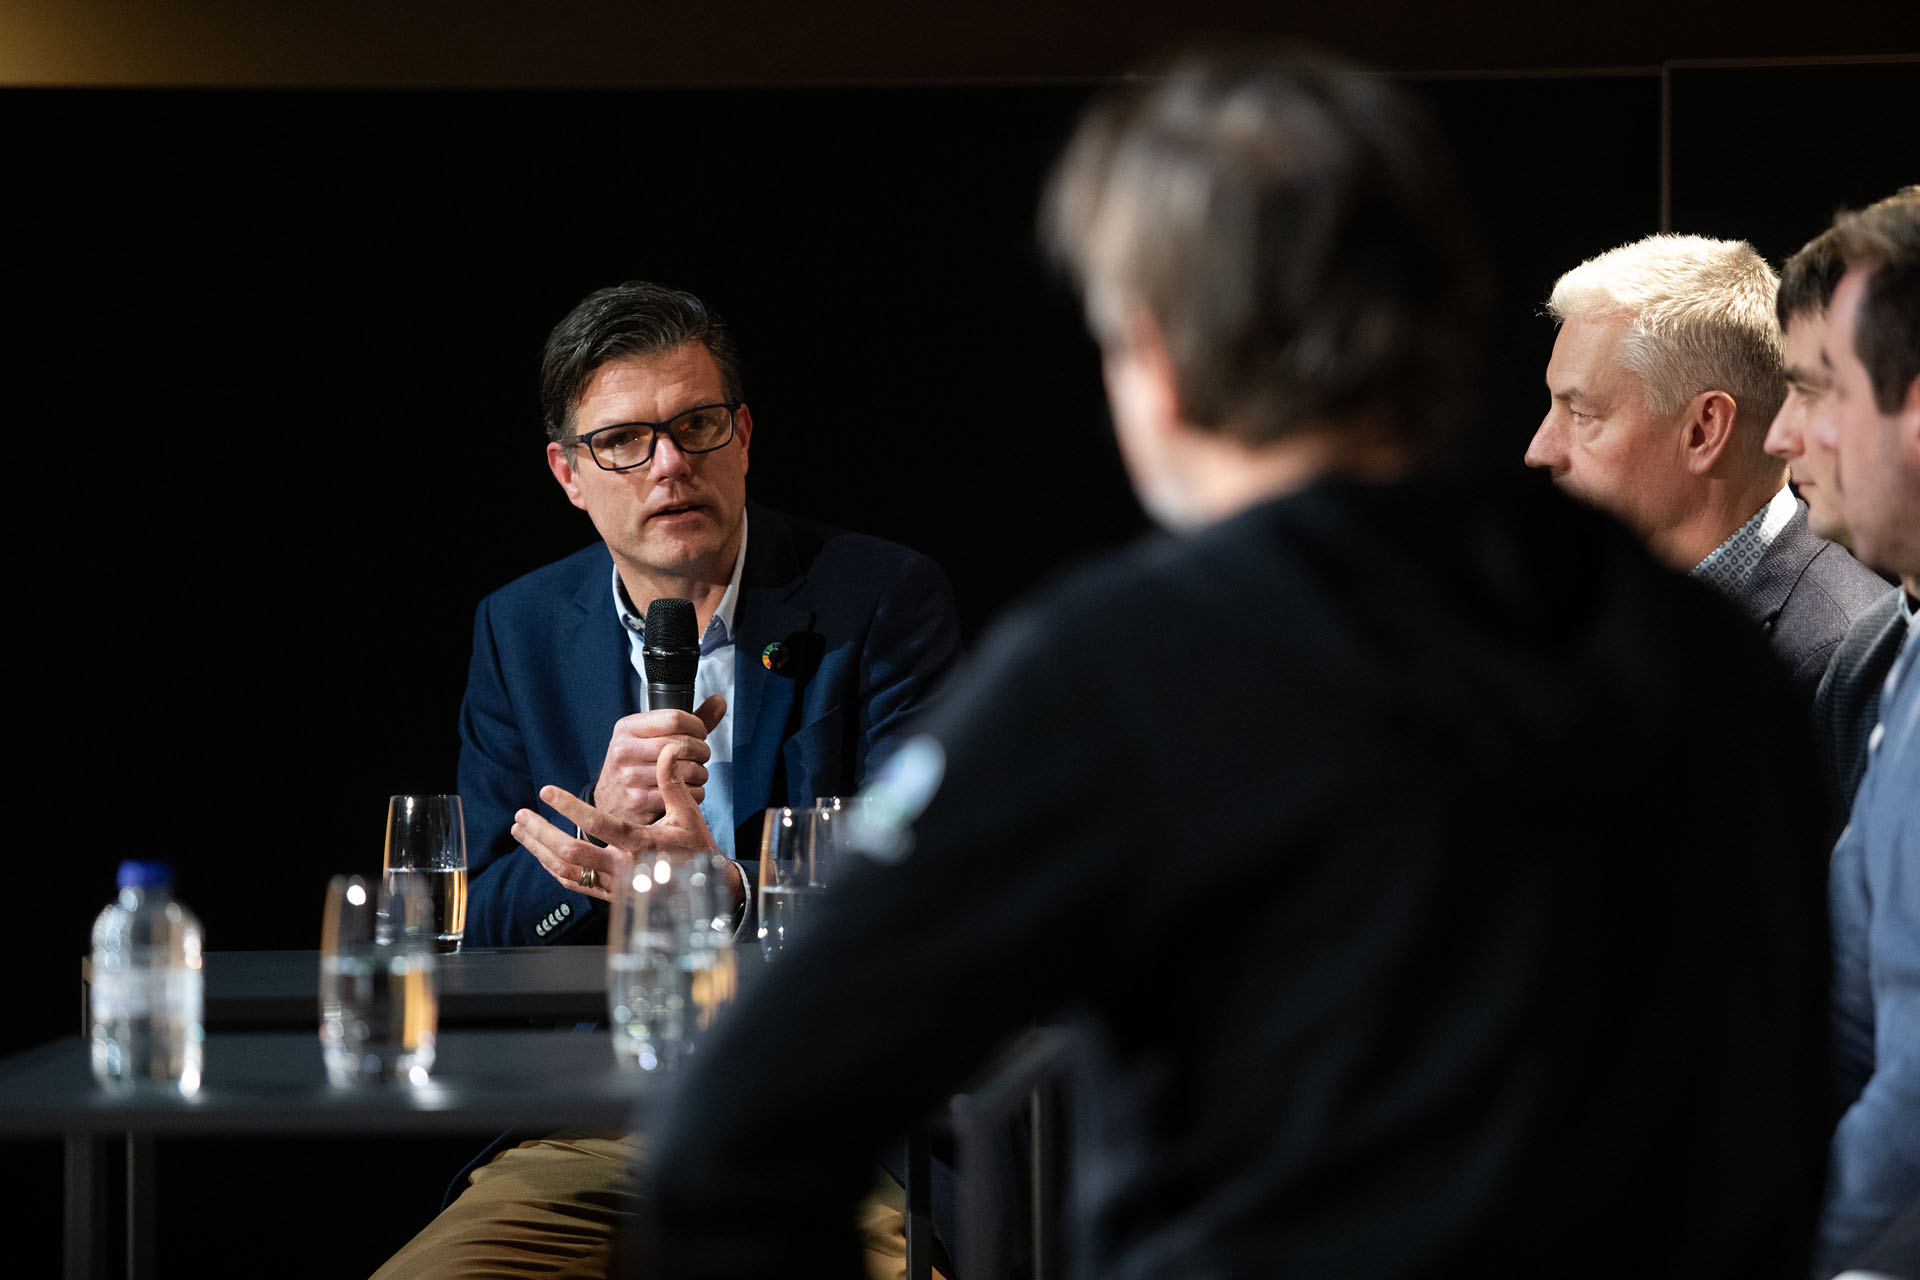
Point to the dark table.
(508, 1031)
(498, 987)
(502, 987)
(512, 1022)
(272, 1083)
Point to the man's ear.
(743, 430)
(1153, 386)
(1906, 422)
(563, 473)
(1709, 427)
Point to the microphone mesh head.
(673, 642)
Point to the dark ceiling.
(504, 43)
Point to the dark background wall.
(273, 432)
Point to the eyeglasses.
(626, 445)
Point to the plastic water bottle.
(147, 996)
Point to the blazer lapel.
(594, 665)
(1780, 567)
(763, 699)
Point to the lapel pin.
(774, 657)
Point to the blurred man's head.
(1807, 281)
(1663, 380)
(1871, 416)
(1270, 250)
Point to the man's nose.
(1784, 437)
(1548, 446)
(668, 458)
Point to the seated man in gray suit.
(1664, 377)
(1847, 704)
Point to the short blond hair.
(1701, 319)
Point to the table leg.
(86, 1188)
(919, 1189)
(1043, 1173)
(140, 1196)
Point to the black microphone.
(672, 653)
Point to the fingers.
(566, 857)
(629, 784)
(683, 808)
(596, 822)
(646, 730)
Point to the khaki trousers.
(552, 1207)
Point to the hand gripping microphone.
(672, 654)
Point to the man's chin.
(686, 545)
(1826, 525)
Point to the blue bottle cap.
(145, 875)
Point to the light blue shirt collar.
(715, 674)
(719, 628)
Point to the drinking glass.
(790, 885)
(831, 818)
(427, 844)
(670, 962)
(379, 1010)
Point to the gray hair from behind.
(1296, 230)
(1701, 318)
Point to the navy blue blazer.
(869, 630)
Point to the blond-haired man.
(1664, 377)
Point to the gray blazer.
(1804, 595)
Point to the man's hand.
(629, 782)
(681, 830)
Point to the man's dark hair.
(1884, 238)
(1807, 280)
(631, 319)
(1298, 235)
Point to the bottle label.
(140, 993)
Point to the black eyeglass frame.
(654, 430)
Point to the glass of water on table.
(427, 845)
(797, 848)
(670, 962)
(379, 1005)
